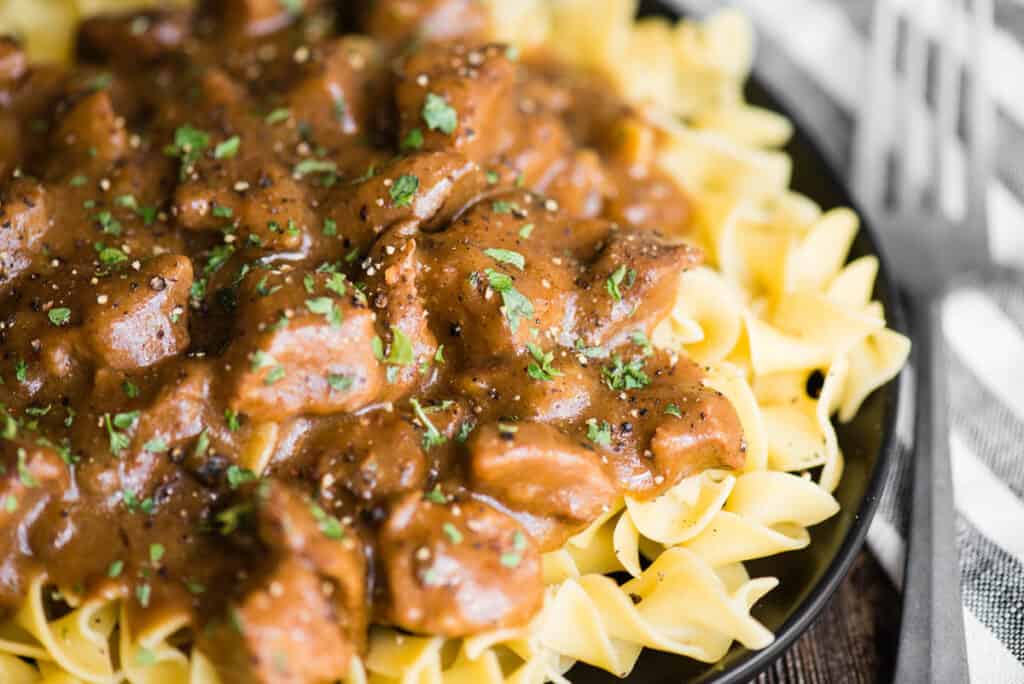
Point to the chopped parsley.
(228, 148)
(237, 476)
(260, 360)
(142, 593)
(435, 495)
(330, 228)
(115, 568)
(189, 145)
(230, 518)
(24, 474)
(156, 552)
(231, 418)
(59, 316)
(403, 190)
(120, 421)
(432, 437)
(673, 410)
(452, 532)
(512, 559)
(507, 256)
(504, 207)
(78, 181)
(599, 432)
(220, 211)
(202, 444)
(326, 307)
(156, 446)
(515, 305)
(132, 502)
(340, 383)
(330, 526)
(439, 115)
(492, 177)
(278, 115)
(108, 224)
(638, 338)
(110, 256)
(615, 280)
(465, 430)
(540, 368)
(525, 231)
(413, 140)
(21, 370)
(307, 166)
(336, 284)
(130, 389)
(620, 375)
(400, 354)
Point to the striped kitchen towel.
(814, 52)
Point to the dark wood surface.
(853, 640)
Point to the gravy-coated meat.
(559, 486)
(336, 311)
(457, 568)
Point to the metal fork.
(928, 252)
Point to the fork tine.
(912, 103)
(869, 158)
(946, 99)
(980, 122)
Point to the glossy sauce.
(413, 281)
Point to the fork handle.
(932, 649)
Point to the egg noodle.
(775, 302)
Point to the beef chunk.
(32, 478)
(458, 568)
(302, 349)
(304, 615)
(24, 221)
(135, 37)
(672, 428)
(339, 94)
(633, 284)
(559, 485)
(398, 21)
(282, 631)
(140, 317)
(393, 271)
(475, 83)
(90, 137)
(422, 190)
(370, 456)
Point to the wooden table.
(853, 640)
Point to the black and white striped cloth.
(815, 53)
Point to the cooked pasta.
(775, 302)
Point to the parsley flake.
(439, 115)
(59, 316)
(507, 256)
(599, 432)
(540, 368)
(413, 140)
(625, 376)
(228, 148)
(432, 437)
(403, 190)
(515, 305)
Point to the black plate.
(810, 576)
